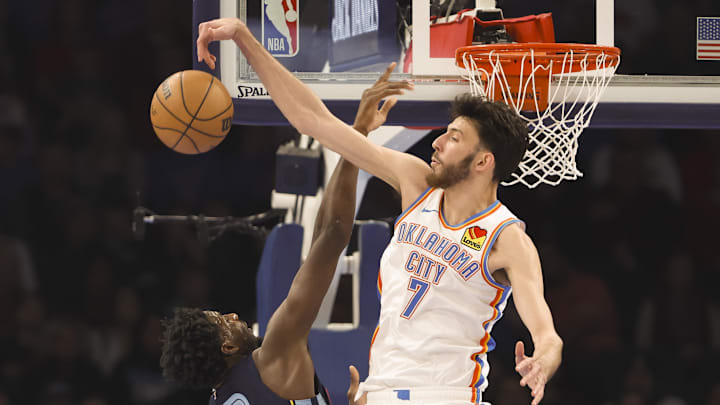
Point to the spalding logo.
(251, 91)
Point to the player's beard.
(252, 342)
(450, 174)
(248, 343)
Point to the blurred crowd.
(631, 270)
(81, 298)
(629, 253)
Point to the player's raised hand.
(215, 30)
(532, 371)
(370, 115)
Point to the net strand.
(578, 80)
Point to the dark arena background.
(629, 251)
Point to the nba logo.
(280, 30)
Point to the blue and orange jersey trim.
(492, 208)
(372, 340)
(477, 378)
(377, 328)
(501, 294)
(379, 285)
(422, 197)
(488, 246)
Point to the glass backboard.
(669, 75)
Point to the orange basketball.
(191, 112)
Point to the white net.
(555, 115)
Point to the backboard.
(666, 78)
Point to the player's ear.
(484, 160)
(228, 348)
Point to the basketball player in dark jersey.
(220, 352)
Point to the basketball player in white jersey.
(456, 251)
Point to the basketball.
(191, 112)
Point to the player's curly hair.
(500, 129)
(191, 351)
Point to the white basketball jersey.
(438, 300)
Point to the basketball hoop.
(553, 87)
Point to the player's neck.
(233, 360)
(461, 201)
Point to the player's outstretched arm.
(291, 322)
(283, 359)
(522, 265)
(307, 113)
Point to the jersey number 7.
(419, 288)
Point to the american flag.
(708, 38)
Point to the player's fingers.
(372, 94)
(207, 58)
(376, 95)
(519, 351)
(379, 93)
(523, 365)
(388, 71)
(395, 84)
(354, 383)
(537, 397)
(354, 375)
(205, 30)
(216, 23)
(210, 33)
(201, 45)
(390, 92)
(400, 85)
(532, 374)
(387, 106)
(538, 387)
(207, 24)
(204, 37)
(524, 380)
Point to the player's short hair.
(500, 129)
(191, 351)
